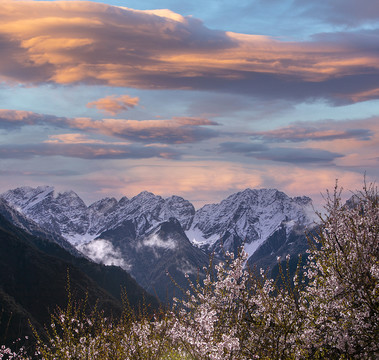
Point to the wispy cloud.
(206, 182)
(341, 12)
(291, 155)
(316, 131)
(155, 241)
(38, 173)
(88, 151)
(15, 119)
(103, 251)
(343, 143)
(93, 43)
(113, 104)
(78, 139)
(298, 155)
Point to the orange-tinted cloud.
(83, 42)
(77, 139)
(177, 130)
(14, 119)
(174, 131)
(114, 104)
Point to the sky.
(200, 99)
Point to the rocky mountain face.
(33, 282)
(32, 228)
(148, 235)
(249, 217)
(154, 258)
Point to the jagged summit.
(67, 214)
(248, 216)
(26, 197)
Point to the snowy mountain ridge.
(149, 236)
(248, 217)
(66, 213)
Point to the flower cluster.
(343, 291)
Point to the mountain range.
(158, 240)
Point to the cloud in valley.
(155, 241)
(102, 251)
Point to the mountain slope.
(33, 278)
(150, 257)
(32, 228)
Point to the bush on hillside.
(328, 309)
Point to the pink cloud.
(317, 131)
(78, 139)
(176, 130)
(114, 104)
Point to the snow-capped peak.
(249, 217)
(67, 214)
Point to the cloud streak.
(92, 43)
(87, 151)
(177, 130)
(301, 155)
(77, 139)
(15, 119)
(317, 131)
(174, 131)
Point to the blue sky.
(201, 100)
